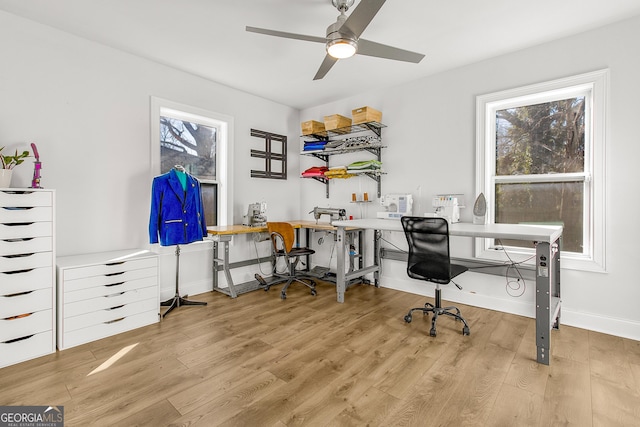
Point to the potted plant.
(7, 163)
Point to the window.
(540, 157)
(197, 140)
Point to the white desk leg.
(547, 297)
(341, 285)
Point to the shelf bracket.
(323, 157)
(325, 181)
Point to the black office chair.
(429, 260)
(282, 237)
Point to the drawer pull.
(19, 316)
(18, 271)
(18, 339)
(115, 284)
(115, 308)
(17, 208)
(18, 256)
(17, 224)
(19, 294)
(114, 274)
(17, 191)
(16, 240)
(114, 263)
(117, 294)
(114, 321)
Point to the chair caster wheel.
(432, 332)
(266, 288)
(313, 292)
(283, 295)
(407, 318)
(466, 331)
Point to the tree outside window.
(541, 160)
(189, 144)
(542, 141)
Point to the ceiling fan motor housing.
(336, 33)
(342, 5)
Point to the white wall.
(87, 107)
(431, 150)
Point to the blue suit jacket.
(177, 215)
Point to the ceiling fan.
(343, 37)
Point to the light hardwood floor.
(260, 361)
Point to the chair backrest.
(282, 236)
(428, 239)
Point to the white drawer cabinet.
(27, 276)
(104, 294)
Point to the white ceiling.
(208, 38)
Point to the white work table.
(548, 244)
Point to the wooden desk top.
(234, 229)
(244, 229)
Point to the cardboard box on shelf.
(336, 121)
(312, 126)
(366, 114)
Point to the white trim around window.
(594, 85)
(224, 123)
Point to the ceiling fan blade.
(286, 35)
(369, 48)
(362, 16)
(325, 67)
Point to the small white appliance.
(396, 206)
(447, 206)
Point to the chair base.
(289, 280)
(438, 310)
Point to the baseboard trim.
(606, 325)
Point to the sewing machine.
(256, 215)
(396, 205)
(334, 213)
(447, 206)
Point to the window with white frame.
(197, 140)
(540, 160)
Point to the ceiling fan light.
(342, 48)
